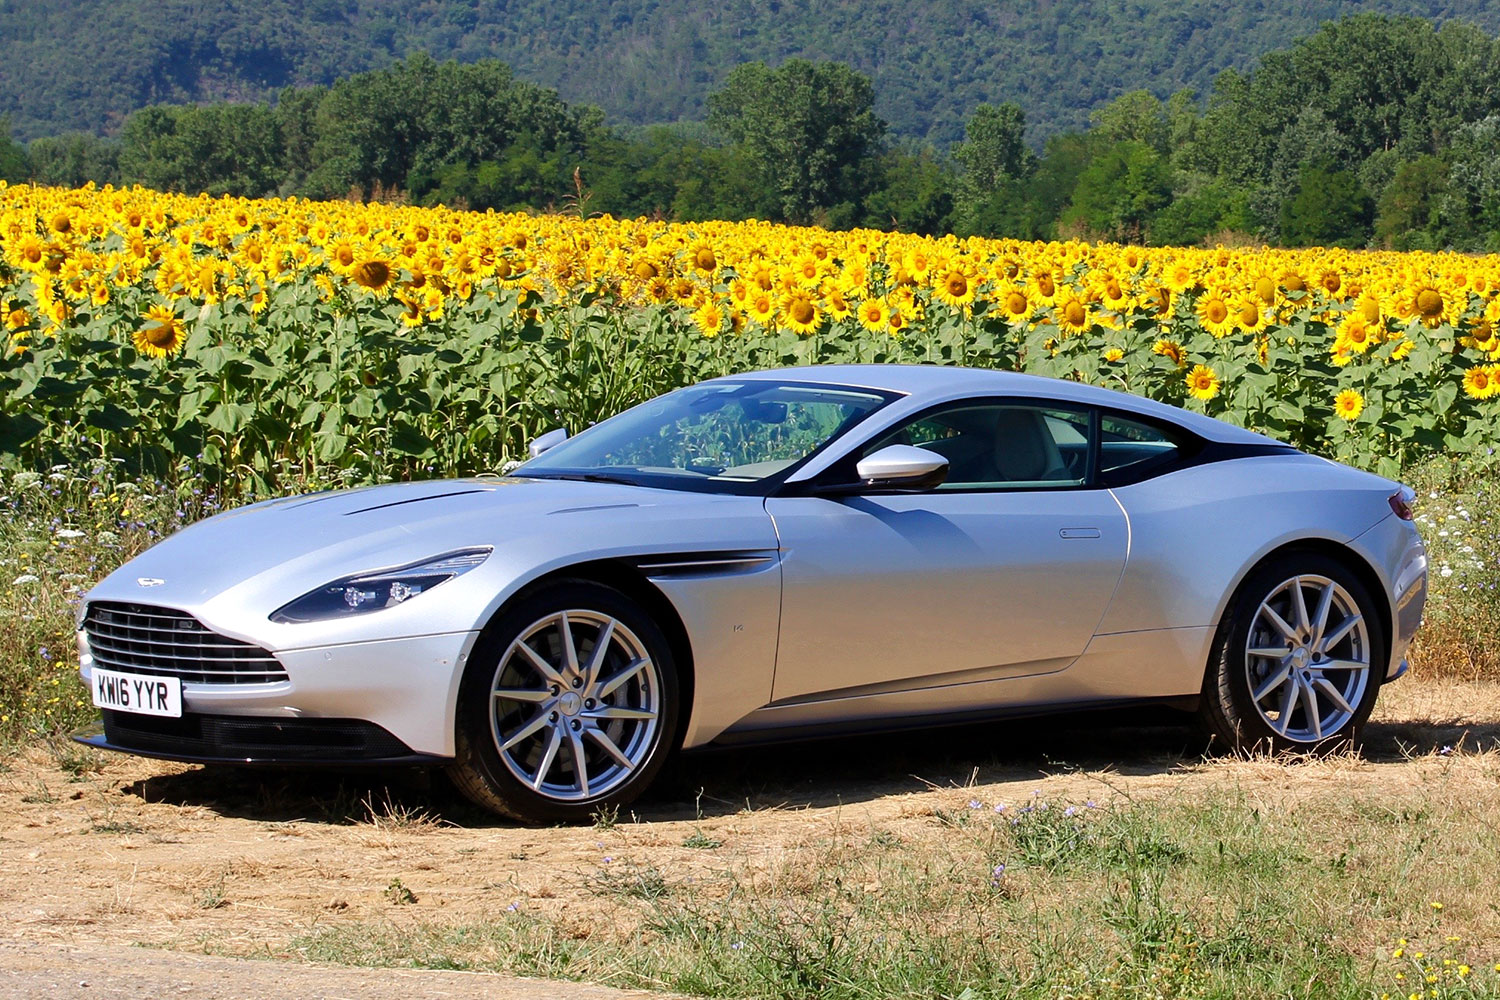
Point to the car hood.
(271, 552)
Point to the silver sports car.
(767, 556)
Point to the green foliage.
(993, 155)
(1401, 105)
(86, 64)
(1206, 207)
(1408, 217)
(806, 127)
(1120, 190)
(73, 159)
(14, 165)
(218, 148)
(1330, 208)
(1473, 202)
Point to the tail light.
(1400, 502)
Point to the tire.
(526, 709)
(1327, 689)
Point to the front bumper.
(245, 739)
(404, 688)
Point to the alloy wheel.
(575, 705)
(1307, 658)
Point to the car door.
(1003, 571)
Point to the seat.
(1024, 448)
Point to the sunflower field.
(252, 340)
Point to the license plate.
(138, 693)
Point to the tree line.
(1372, 131)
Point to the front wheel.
(1297, 662)
(571, 708)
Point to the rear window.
(1130, 450)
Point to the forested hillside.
(86, 64)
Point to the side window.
(1001, 445)
(1128, 448)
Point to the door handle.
(1079, 532)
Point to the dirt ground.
(193, 860)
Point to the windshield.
(722, 436)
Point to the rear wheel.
(1297, 660)
(573, 708)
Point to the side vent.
(704, 563)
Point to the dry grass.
(852, 868)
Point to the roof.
(941, 382)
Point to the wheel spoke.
(1343, 665)
(521, 694)
(619, 712)
(548, 757)
(601, 649)
(611, 748)
(1270, 652)
(576, 702)
(1288, 700)
(538, 661)
(1336, 636)
(630, 669)
(580, 766)
(1273, 682)
(1299, 605)
(1334, 694)
(570, 653)
(1289, 633)
(1320, 617)
(1310, 706)
(531, 727)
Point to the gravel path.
(49, 972)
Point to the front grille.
(143, 639)
(253, 738)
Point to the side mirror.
(902, 467)
(551, 439)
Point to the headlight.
(356, 595)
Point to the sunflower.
(807, 271)
(16, 318)
(1171, 350)
(372, 274)
(341, 256)
(704, 259)
(761, 307)
(872, 314)
(956, 288)
(163, 338)
(1349, 404)
(800, 313)
(1180, 277)
(1043, 288)
(836, 304)
(1248, 315)
(709, 319)
(1355, 336)
(896, 322)
(1202, 382)
(411, 307)
(1015, 304)
(1113, 354)
(1156, 301)
(1482, 381)
(1072, 315)
(1215, 315)
(1428, 305)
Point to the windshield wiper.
(588, 477)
